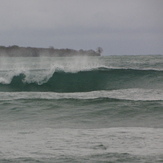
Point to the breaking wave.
(101, 78)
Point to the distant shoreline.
(16, 51)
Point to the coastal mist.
(81, 109)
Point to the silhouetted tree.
(99, 50)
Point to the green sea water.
(81, 109)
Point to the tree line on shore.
(16, 51)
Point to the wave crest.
(122, 94)
(101, 78)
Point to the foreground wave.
(83, 145)
(82, 81)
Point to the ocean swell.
(100, 78)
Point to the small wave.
(123, 94)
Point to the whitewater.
(81, 109)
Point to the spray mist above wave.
(76, 64)
(69, 64)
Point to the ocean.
(106, 109)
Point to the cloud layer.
(120, 27)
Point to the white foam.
(122, 94)
(51, 143)
(40, 71)
(7, 76)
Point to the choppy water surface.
(83, 109)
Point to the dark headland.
(16, 51)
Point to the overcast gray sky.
(118, 26)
